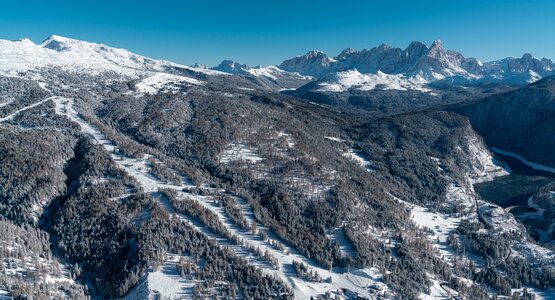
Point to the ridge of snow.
(272, 72)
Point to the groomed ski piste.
(357, 282)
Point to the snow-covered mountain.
(423, 64)
(431, 63)
(72, 55)
(315, 63)
(271, 75)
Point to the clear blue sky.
(266, 32)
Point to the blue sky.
(266, 32)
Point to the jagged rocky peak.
(436, 50)
(472, 65)
(231, 66)
(346, 52)
(199, 66)
(314, 53)
(313, 63)
(416, 49)
(383, 47)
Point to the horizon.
(255, 33)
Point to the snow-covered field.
(164, 283)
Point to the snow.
(441, 225)
(485, 168)
(288, 139)
(334, 139)
(356, 156)
(164, 82)
(239, 152)
(245, 88)
(167, 283)
(459, 195)
(345, 245)
(353, 79)
(5, 103)
(272, 72)
(359, 158)
(533, 165)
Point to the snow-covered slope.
(164, 82)
(24, 56)
(353, 79)
(270, 75)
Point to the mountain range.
(418, 63)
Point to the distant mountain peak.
(313, 63)
(314, 53)
(436, 44)
(383, 47)
(345, 53)
(199, 66)
(55, 42)
(231, 66)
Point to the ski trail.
(303, 289)
(12, 115)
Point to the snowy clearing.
(239, 152)
(162, 82)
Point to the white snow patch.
(245, 88)
(359, 158)
(167, 283)
(273, 72)
(334, 139)
(239, 152)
